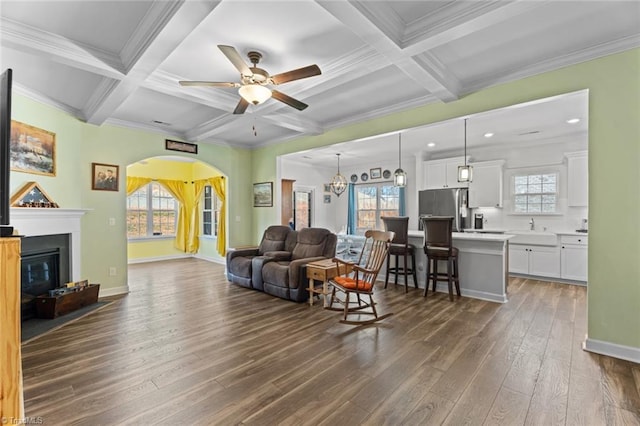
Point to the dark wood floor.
(186, 347)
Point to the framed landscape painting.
(263, 194)
(32, 150)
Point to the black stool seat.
(400, 247)
(438, 246)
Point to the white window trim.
(536, 171)
(143, 238)
(379, 224)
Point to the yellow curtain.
(194, 240)
(180, 192)
(217, 183)
(134, 183)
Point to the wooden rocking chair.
(361, 278)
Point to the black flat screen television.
(5, 140)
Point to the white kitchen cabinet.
(577, 179)
(486, 188)
(543, 261)
(573, 257)
(442, 173)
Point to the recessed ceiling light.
(573, 120)
(431, 144)
(488, 135)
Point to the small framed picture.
(170, 145)
(375, 173)
(263, 194)
(327, 199)
(327, 188)
(104, 177)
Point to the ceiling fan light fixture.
(254, 93)
(338, 182)
(465, 173)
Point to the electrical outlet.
(112, 221)
(237, 218)
(112, 271)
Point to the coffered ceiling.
(119, 62)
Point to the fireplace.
(45, 265)
(60, 229)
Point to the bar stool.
(400, 247)
(438, 241)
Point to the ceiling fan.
(254, 81)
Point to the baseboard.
(482, 295)
(113, 291)
(628, 353)
(210, 259)
(548, 279)
(158, 258)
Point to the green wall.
(79, 144)
(614, 164)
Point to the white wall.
(546, 156)
(540, 157)
(322, 215)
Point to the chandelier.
(338, 182)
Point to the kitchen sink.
(539, 238)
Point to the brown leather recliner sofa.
(278, 265)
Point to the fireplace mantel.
(29, 221)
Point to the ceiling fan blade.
(298, 74)
(241, 107)
(288, 100)
(232, 55)
(208, 83)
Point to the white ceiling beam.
(294, 122)
(467, 18)
(59, 49)
(166, 28)
(212, 128)
(353, 18)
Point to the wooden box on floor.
(52, 307)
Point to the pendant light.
(338, 182)
(399, 176)
(465, 173)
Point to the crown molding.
(75, 54)
(385, 18)
(43, 99)
(156, 18)
(573, 58)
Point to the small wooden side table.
(323, 270)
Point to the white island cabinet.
(483, 263)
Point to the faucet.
(532, 224)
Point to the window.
(210, 212)
(535, 193)
(151, 211)
(374, 201)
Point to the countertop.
(474, 236)
(581, 234)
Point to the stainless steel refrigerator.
(446, 202)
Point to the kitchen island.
(483, 264)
